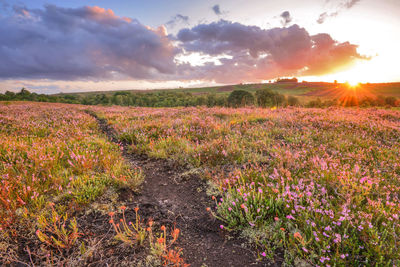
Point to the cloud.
(254, 54)
(350, 3)
(81, 43)
(286, 18)
(343, 5)
(217, 10)
(95, 44)
(177, 19)
(4, 5)
(322, 17)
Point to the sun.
(353, 83)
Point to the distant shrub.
(240, 98)
(367, 102)
(380, 101)
(293, 101)
(350, 101)
(268, 98)
(390, 101)
(317, 103)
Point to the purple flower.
(290, 217)
(338, 238)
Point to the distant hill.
(306, 90)
(281, 93)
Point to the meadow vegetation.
(318, 186)
(309, 185)
(53, 161)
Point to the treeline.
(122, 98)
(379, 101)
(237, 98)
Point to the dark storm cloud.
(217, 10)
(286, 18)
(75, 43)
(343, 5)
(252, 53)
(178, 19)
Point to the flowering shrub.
(320, 222)
(54, 231)
(129, 233)
(136, 234)
(321, 183)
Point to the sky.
(69, 46)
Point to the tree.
(287, 80)
(390, 101)
(211, 100)
(9, 95)
(240, 98)
(24, 93)
(268, 98)
(317, 103)
(293, 101)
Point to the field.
(291, 186)
(303, 90)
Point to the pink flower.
(290, 217)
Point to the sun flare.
(353, 83)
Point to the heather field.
(200, 133)
(294, 186)
(54, 162)
(318, 186)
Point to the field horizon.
(303, 88)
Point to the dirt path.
(169, 197)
